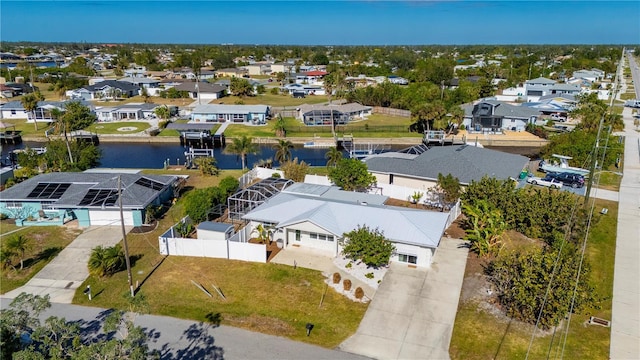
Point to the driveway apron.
(66, 272)
(413, 311)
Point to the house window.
(297, 235)
(322, 237)
(13, 205)
(313, 236)
(13, 112)
(410, 259)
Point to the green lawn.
(479, 334)
(25, 128)
(271, 100)
(120, 127)
(46, 242)
(270, 298)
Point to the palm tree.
(456, 115)
(333, 156)
(30, 104)
(106, 261)
(18, 245)
(61, 127)
(283, 150)
(242, 146)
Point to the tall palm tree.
(283, 150)
(61, 127)
(19, 245)
(30, 104)
(333, 155)
(456, 115)
(242, 146)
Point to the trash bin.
(523, 174)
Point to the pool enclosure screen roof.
(249, 198)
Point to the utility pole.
(124, 238)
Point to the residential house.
(104, 90)
(135, 72)
(92, 198)
(256, 114)
(321, 114)
(257, 69)
(206, 90)
(495, 116)
(538, 87)
(126, 112)
(311, 77)
(42, 113)
(282, 67)
(305, 89)
(227, 85)
(593, 75)
(467, 163)
(231, 72)
(318, 216)
(142, 82)
(557, 89)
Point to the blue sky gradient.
(323, 22)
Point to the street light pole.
(124, 238)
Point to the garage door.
(105, 217)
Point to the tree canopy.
(352, 175)
(368, 245)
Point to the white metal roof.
(401, 225)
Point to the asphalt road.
(635, 74)
(185, 340)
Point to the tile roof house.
(465, 162)
(90, 197)
(317, 217)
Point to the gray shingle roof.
(511, 111)
(134, 196)
(122, 85)
(346, 108)
(541, 80)
(203, 87)
(465, 162)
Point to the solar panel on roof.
(148, 183)
(100, 197)
(48, 191)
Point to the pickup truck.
(556, 117)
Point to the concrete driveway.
(413, 311)
(66, 272)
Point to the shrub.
(336, 278)
(3, 216)
(368, 246)
(369, 275)
(275, 91)
(276, 175)
(349, 265)
(359, 293)
(462, 127)
(346, 284)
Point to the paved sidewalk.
(625, 321)
(414, 310)
(66, 272)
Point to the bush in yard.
(369, 246)
(346, 284)
(359, 293)
(369, 275)
(336, 278)
(106, 261)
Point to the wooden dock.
(10, 137)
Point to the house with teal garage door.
(92, 198)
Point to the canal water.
(156, 155)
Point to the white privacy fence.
(237, 247)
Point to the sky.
(337, 22)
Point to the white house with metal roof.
(323, 114)
(126, 112)
(93, 198)
(257, 114)
(317, 217)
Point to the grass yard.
(25, 128)
(628, 96)
(270, 298)
(46, 242)
(609, 181)
(480, 332)
(119, 127)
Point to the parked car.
(569, 179)
(545, 181)
(557, 117)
